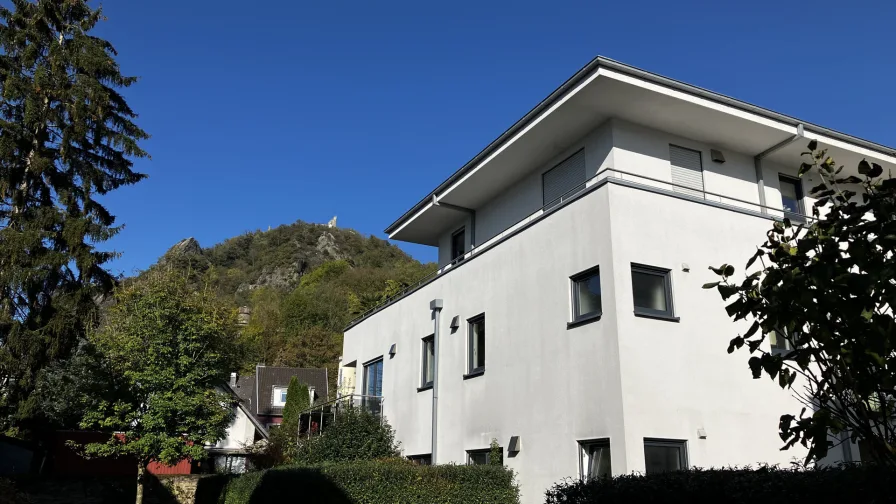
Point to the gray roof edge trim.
(601, 61)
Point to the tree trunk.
(141, 481)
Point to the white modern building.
(567, 316)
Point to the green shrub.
(355, 434)
(375, 482)
(848, 483)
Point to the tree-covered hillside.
(302, 283)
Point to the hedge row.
(845, 484)
(374, 482)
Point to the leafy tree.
(169, 346)
(355, 434)
(264, 333)
(495, 454)
(828, 290)
(66, 136)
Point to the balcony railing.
(607, 175)
(314, 420)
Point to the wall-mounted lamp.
(392, 351)
(515, 445)
(455, 322)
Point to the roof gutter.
(601, 61)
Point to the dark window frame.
(581, 318)
(483, 451)
(800, 214)
(681, 444)
(666, 275)
(367, 364)
(424, 384)
(421, 459)
(584, 444)
(473, 370)
(455, 256)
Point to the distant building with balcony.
(567, 319)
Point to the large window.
(595, 459)
(429, 361)
(563, 180)
(792, 198)
(652, 291)
(279, 396)
(687, 171)
(373, 378)
(662, 455)
(483, 456)
(476, 330)
(586, 303)
(458, 244)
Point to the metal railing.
(314, 419)
(605, 175)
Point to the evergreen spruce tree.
(66, 137)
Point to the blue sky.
(262, 113)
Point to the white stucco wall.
(241, 432)
(623, 377)
(525, 196)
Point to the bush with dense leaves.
(355, 434)
(375, 482)
(849, 483)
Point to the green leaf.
(759, 253)
(727, 291)
(813, 144)
(711, 285)
(720, 270)
(729, 270)
(876, 170)
(864, 167)
(752, 330)
(867, 314)
(755, 364)
(735, 343)
(804, 168)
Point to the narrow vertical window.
(476, 330)
(429, 361)
(792, 198)
(458, 245)
(687, 171)
(595, 461)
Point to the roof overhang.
(606, 89)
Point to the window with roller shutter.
(560, 182)
(687, 171)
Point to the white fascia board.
(703, 102)
(833, 142)
(409, 220)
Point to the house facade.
(567, 319)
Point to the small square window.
(779, 341)
(586, 298)
(663, 455)
(595, 459)
(279, 396)
(482, 457)
(429, 361)
(476, 330)
(652, 291)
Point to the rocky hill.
(279, 257)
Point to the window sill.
(587, 319)
(474, 374)
(424, 388)
(667, 318)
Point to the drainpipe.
(466, 210)
(436, 306)
(757, 164)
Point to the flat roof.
(602, 62)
